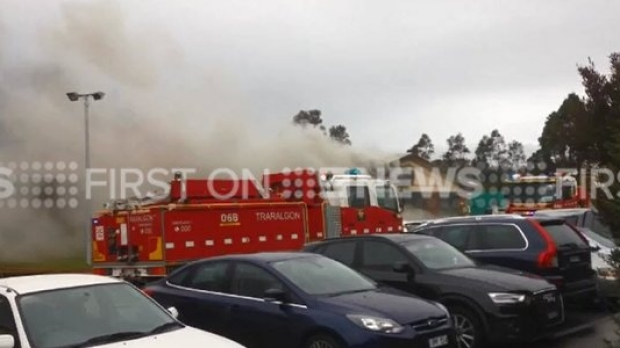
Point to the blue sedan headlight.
(375, 323)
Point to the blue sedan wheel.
(323, 341)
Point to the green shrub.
(615, 342)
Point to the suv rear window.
(573, 220)
(562, 233)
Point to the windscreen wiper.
(110, 338)
(349, 292)
(165, 327)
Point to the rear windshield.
(563, 234)
(573, 220)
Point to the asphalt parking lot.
(591, 338)
(589, 330)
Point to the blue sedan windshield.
(322, 276)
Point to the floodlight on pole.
(74, 96)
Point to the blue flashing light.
(354, 171)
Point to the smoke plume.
(158, 112)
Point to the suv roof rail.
(494, 216)
(8, 288)
(478, 217)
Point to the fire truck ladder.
(333, 221)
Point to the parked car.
(607, 274)
(304, 300)
(581, 217)
(585, 220)
(81, 310)
(488, 304)
(546, 246)
(410, 225)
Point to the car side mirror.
(403, 267)
(174, 312)
(275, 295)
(7, 341)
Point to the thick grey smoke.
(158, 112)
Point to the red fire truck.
(526, 194)
(200, 218)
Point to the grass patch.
(73, 264)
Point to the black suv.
(487, 304)
(546, 246)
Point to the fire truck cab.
(360, 191)
(349, 203)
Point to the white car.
(410, 225)
(83, 310)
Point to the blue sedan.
(300, 300)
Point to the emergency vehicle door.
(125, 251)
(144, 236)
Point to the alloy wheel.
(465, 331)
(321, 344)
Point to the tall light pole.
(73, 96)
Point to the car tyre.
(323, 341)
(469, 328)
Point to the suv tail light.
(147, 292)
(548, 258)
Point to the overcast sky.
(388, 70)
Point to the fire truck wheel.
(323, 341)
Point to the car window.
(323, 276)
(572, 219)
(7, 320)
(499, 237)
(341, 251)
(359, 196)
(387, 198)
(209, 277)
(563, 234)
(457, 235)
(252, 281)
(381, 255)
(181, 277)
(436, 254)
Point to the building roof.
(44, 282)
(416, 159)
